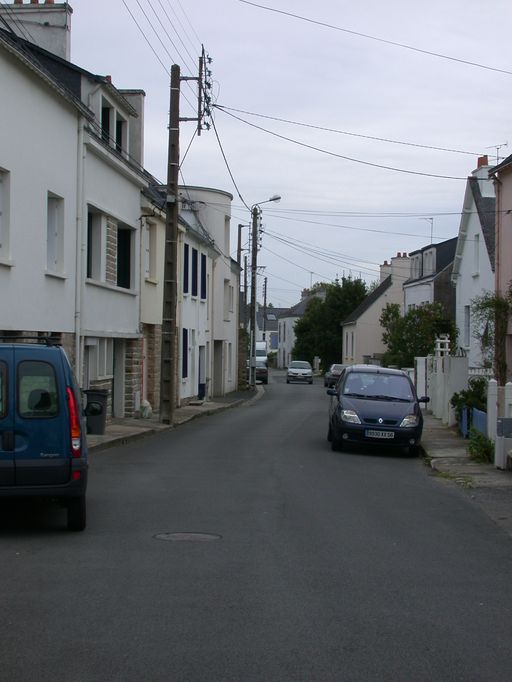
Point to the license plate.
(371, 433)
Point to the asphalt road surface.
(239, 547)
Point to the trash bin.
(96, 418)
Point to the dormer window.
(114, 127)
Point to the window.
(100, 358)
(226, 299)
(106, 124)
(124, 257)
(37, 390)
(121, 132)
(4, 214)
(467, 325)
(194, 272)
(203, 276)
(95, 246)
(54, 233)
(186, 250)
(150, 251)
(184, 353)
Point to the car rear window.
(37, 390)
(3, 390)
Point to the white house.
(473, 267)
(209, 302)
(286, 326)
(361, 330)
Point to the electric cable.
(380, 40)
(345, 132)
(341, 156)
(227, 166)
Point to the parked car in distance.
(333, 374)
(43, 447)
(261, 371)
(373, 405)
(299, 370)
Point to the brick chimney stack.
(483, 161)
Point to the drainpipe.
(80, 247)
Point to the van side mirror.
(424, 399)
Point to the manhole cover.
(188, 537)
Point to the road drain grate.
(188, 537)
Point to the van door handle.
(8, 440)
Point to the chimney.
(483, 161)
(49, 23)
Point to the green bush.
(474, 396)
(481, 448)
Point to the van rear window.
(37, 390)
(3, 390)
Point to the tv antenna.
(497, 147)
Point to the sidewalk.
(120, 431)
(448, 454)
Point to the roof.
(486, 208)
(504, 164)
(445, 253)
(372, 297)
(24, 52)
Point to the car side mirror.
(424, 399)
(332, 391)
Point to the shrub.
(481, 448)
(474, 396)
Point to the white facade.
(286, 339)
(473, 272)
(213, 318)
(362, 331)
(39, 201)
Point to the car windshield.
(378, 386)
(336, 369)
(299, 364)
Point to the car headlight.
(410, 421)
(349, 416)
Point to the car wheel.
(76, 513)
(310, 382)
(413, 451)
(336, 445)
(287, 381)
(329, 434)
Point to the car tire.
(287, 381)
(77, 513)
(329, 434)
(413, 451)
(336, 445)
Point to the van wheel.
(76, 513)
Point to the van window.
(3, 390)
(37, 390)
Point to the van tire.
(77, 515)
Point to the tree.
(491, 313)
(413, 334)
(318, 332)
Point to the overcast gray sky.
(336, 65)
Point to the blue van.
(43, 448)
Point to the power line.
(380, 40)
(345, 132)
(22, 27)
(340, 156)
(184, 61)
(227, 166)
(175, 31)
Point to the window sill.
(110, 287)
(55, 275)
(6, 263)
(475, 275)
(151, 280)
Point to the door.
(41, 423)
(6, 418)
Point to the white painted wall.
(213, 209)
(286, 340)
(38, 149)
(417, 295)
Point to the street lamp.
(255, 214)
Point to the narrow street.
(239, 547)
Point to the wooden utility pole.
(170, 293)
(254, 265)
